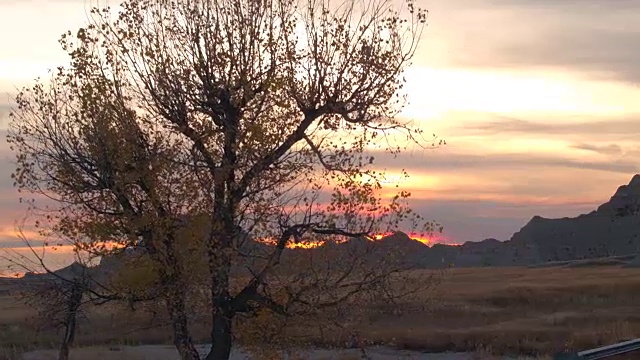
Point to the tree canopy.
(200, 130)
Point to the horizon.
(538, 121)
(64, 254)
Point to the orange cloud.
(29, 234)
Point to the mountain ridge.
(611, 230)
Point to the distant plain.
(514, 311)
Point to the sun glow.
(307, 244)
(304, 244)
(433, 92)
(417, 237)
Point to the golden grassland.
(523, 311)
(515, 311)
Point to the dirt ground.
(153, 352)
(490, 311)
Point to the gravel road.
(153, 352)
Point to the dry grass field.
(522, 311)
(513, 311)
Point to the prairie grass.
(519, 311)
(491, 311)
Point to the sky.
(538, 101)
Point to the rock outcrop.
(613, 229)
(610, 231)
(634, 263)
(625, 201)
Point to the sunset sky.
(538, 100)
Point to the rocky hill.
(613, 229)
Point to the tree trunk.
(221, 337)
(221, 314)
(74, 301)
(219, 250)
(173, 282)
(181, 336)
(221, 311)
(67, 340)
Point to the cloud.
(629, 126)
(479, 194)
(6, 106)
(602, 54)
(611, 149)
(579, 5)
(599, 38)
(443, 161)
(473, 196)
(473, 220)
(5, 109)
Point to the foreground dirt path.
(153, 352)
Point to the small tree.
(59, 296)
(60, 302)
(261, 117)
(113, 182)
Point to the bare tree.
(59, 302)
(60, 295)
(261, 117)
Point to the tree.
(59, 301)
(112, 184)
(257, 119)
(59, 296)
